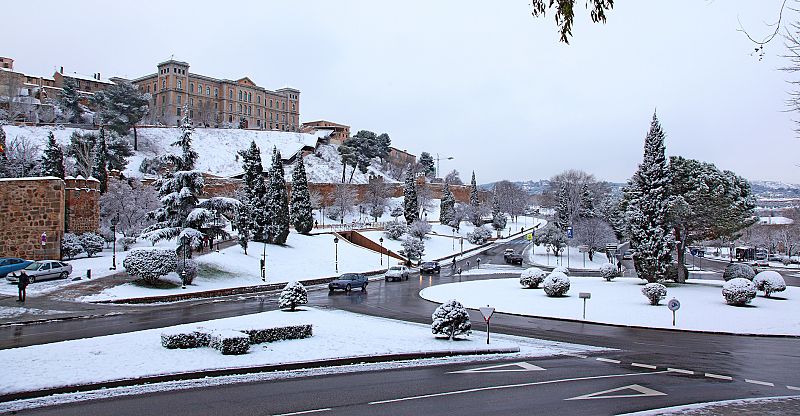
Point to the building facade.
(217, 102)
(339, 132)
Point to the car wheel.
(364, 288)
(348, 288)
(387, 279)
(406, 277)
(32, 279)
(64, 275)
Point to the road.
(768, 363)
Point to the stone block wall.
(82, 198)
(29, 207)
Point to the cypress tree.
(410, 207)
(499, 219)
(100, 168)
(474, 203)
(52, 161)
(301, 211)
(254, 190)
(447, 206)
(562, 211)
(277, 202)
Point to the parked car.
(12, 264)
(430, 267)
(43, 270)
(628, 255)
(348, 282)
(397, 273)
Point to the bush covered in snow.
(561, 269)
(769, 281)
(556, 284)
(183, 339)
(654, 292)
(257, 336)
(419, 229)
(738, 271)
(71, 245)
(92, 243)
(149, 264)
(480, 235)
(451, 320)
(126, 242)
(230, 342)
(532, 277)
(191, 270)
(413, 248)
(292, 295)
(394, 230)
(608, 271)
(739, 291)
(672, 272)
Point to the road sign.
(487, 312)
(502, 368)
(640, 391)
(674, 304)
(44, 238)
(529, 236)
(611, 247)
(583, 248)
(585, 295)
(569, 232)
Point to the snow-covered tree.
(532, 277)
(180, 193)
(738, 271)
(556, 284)
(122, 105)
(410, 207)
(21, 158)
(242, 221)
(453, 178)
(646, 200)
(375, 197)
(70, 101)
(426, 164)
(188, 157)
(52, 162)
(474, 202)
(71, 245)
(739, 292)
(3, 156)
(419, 229)
(342, 201)
(276, 202)
(254, 190)
(301, 210)
(92, 243)
(587, 203)
(293, 295)
(480, 235)
(608, 271)
(769, 281)
(551, 236)
(451, 320)
(594, 233)
(499, 219)
(563, 214)
(396, 212)
(461, 212)
(128, 201)
(561, 269)
(187, 270)
(82, 149)
(447, 205)
(655, 292)
(118, 152)
(100, 167)
(149, 264)
(414, 248)
(394, 230)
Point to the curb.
(248, 370)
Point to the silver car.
(43, 270)
(397, 273)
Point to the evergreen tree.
(499, 219)
(118, 152)
(188, 156)
(647, 208)
(100, 168)
(587, 203)
(562, 211)
(410, 207)
(122, 105)
(242, 221)
(474, 202)
(427, 165)
(70, 101)
(52, 162)
(447, 206)
(254, 190)
(276, 203)
(301, 211)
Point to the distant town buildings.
(339, 132)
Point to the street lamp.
(381, 253)
(438, 173)
(217, 225)
(114, 222)
(184, 244)
(264, 263)
(336, 253)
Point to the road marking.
(304, 412)
(717, 376)
(652, 367)
(678, 370)
(608, 360)
(576, 355)
(763, 383)
(521, 366)
(642, 391)
(793, 388)
(509, 386)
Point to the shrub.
(173, 339)
(149, 264)
(479, 235)
(739, 291)
(556, 284)
(191, 270)
(532, 277)
(655, 292)
(769, 281)
(608, 271)
(230, 342)
(92, 243)
(126, 242)
(292, 295)
(419, 229)
(394, 230)
(561, 269)
(738, 271)
(257, 336)
(71, 245)
(672, 272)
(450, 320)
(413, 248)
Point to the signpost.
(569, 237)
(584, 296)
(487, 312)
(44, 241)
(583, 249)
(673, 305)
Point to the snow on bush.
(532, 277)
(183, 339)
(257, 336)
(126, 242)
(608, 271)
(190, 269)
(556, 284)
(739, 291)
(479, 236)
(92, 243)
(394, 230)
(149, 264)
(738, 271)
(292, 295)
(672, 272)
(451, 320)
(71, 245)
(419, 229)
(561, 269)
(230, 342)
(769, 281)
(655, 292)
(413, 248)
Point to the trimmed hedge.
(739, 291)
(257, 336)
(230, 342)
(185, 339)
(532, 277)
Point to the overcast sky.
(481, 81)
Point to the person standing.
(22, 285)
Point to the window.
(240, 95)
(250, 110)
(249, 97)
(163, 99)
(180, 85)
(191, 87)
(240, 109)
(164, 84)
(292, 106)
(216, 107)
(230, 107)
(178, 111)
(191, 101)
(230, 119)
(230, 94)
(283, 103)
(155, 85)
(259, 112)
(258, 123)
(179, 100)
(216, 92)
(208, 91)
(270, 103)
(191, 113)
(259, 99)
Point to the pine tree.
(277, 202)
(301, 211)
(242, 221)
(188, 156)
(70, 101)
(562, 211)
(647, 208)
(474, 202)
(100, 168)
(118, 152)
(255, 190)
(52, 162)
(587, 204)
(410, 207)
(499, 219)
(122, 106)
(447, 206)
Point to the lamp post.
(217, 225)
(381, 253)
(336, 253)
(184, 245)
(114, 222)
(438, 173)
(264, 263)
(454, 239)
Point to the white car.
(43, 270)
(397, 273)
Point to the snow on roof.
(87, 78)
(35, 178)
(776, 220)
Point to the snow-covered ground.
(139, 354)
(575, 260)
(11, 312)
(436, 246)
(621, 302)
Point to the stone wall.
(82, 198)
(28, 208)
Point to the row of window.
(174, 71)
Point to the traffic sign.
(569, 232)
(674, 304)
(585, 295)
(583, 248)
(487, 312)
(529, 236)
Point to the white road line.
(711, 375)
(652, 367)
(576, 355)
(509, 386)
(608, 360)
(793, 388)
(678, 370)
(304, 412)
(763, 383)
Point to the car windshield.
(395, 268)
(4, 262)
(348, 277)
(33, 266)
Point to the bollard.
(89, 273)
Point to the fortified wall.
(82, 199)
(28, 208)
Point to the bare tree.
(453, 178)
(594, 233)
(512, 198)
(82, 149)
(574, 180)
(343, 198)
(22, 156)
(424, 198)
(375, 197)
(130, 200)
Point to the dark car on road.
(430, 267)
(348, 282)
(12, 264)
(512, 258)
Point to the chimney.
(62, 70)
(98, 76)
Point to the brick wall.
(29, 207)
(82, 199)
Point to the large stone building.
(339, 132)
(216, 102)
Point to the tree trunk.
(135, 139)
(351, 175)
(344, 169)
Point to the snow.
(763, 405)
(621, 302)
(139, 354)
(538, 255)
(436, 246)
(12, 311)
(775, 220)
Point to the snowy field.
(621, 302)
(139, 354)
(575, 260)
(436, 246)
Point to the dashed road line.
(717, 376)
(679, 370)
(608, 360)
(652, 367)
(763, 383)
(304, 412)
(793, 388)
